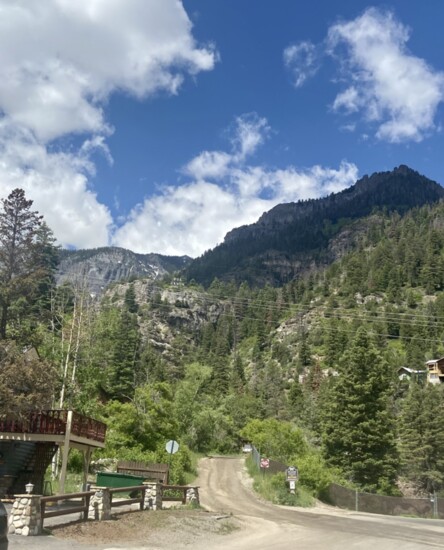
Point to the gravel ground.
(163, 528)
(173, 528)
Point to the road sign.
(172, 447)
(292, 473)
(265, 463)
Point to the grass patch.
(191, 475)
(73, 483)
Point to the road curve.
(224, 488)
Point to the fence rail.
(181, 489)
(84, 507)
(136, 500)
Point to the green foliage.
(27, 263)
(282, 495)
(422, 437)
(314, 473)
(279, 440)
(275, 489)
(358, 433)
(142, 423)
(26, 382)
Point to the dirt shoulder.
(161, 529)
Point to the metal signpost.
(265, 463)
(171, 447)
(292, 476)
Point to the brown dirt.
(164, 528)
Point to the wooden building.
(28, 445)
(435, 371)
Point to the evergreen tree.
(20, 268)
(335, 342)
(304, 350)
(122, 366)
(422, 436)
(130, 299)
(359, 433)
(296, 400)
(238, 380)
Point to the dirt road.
(225, 489)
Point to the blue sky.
(159, 125)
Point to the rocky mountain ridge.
(283, 244)
(285, 241)
(99, 267)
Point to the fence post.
(435, 505)
(153, 496)
(25, 517)
(86, 503)
(356, 501)
(100, 504)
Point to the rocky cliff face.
(99, 267)
(166, 313)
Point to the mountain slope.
(101, 266)
(286, 240)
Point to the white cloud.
(225, 192)
(349, 100)
(251, 131)
(302, 60)
(60, 61)
(58, 185)
(397, 91)
(209, 164)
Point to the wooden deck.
(54, 425)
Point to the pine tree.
(122, 372)
(334, 342)
(20, 273)
(304, 350)
(130, 299)
(238, 380)
(296, 399)
(422, 436)
(359, 434)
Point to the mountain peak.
(276, 248)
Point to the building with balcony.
(28, 445)
(435, 371)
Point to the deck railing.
(53, 422)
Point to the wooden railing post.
(86, 503)
(42, 514)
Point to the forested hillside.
(308, 371)
(286, 241)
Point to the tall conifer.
(359, 434)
